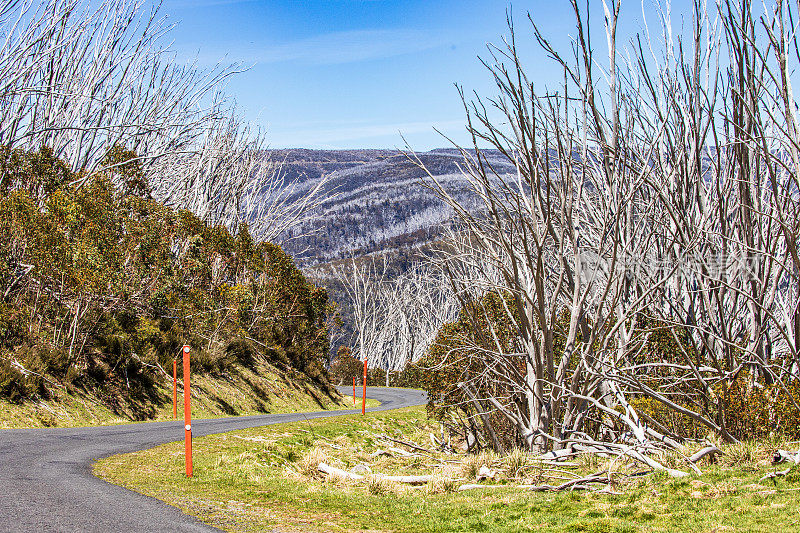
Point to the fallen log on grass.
(573, 484)
(470, 486)
(647, 460)
(402, 453)
(412, 445)
(576, 484)
(708, 450)
(552, 488)
(557, 455)
(328, 469)
(782, 456)
(379, 453)
(773, 475)
(609, 449)
(410, 480)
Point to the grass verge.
(266, 478)
(240, 391)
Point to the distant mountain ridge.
(378, 199)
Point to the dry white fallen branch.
(328, 469)
(485, 473)
(551, 488)
(783, 456)
(630, 452)
(380, 453)
(403, 453)
(708, 450)
(16, 364)
(411, 480)
(574, 484)
(43, 405)
(470, 486)
(773, 475)
(608, 449)
(599, 477)
(558, 455)
(592, 450)
(546, 462)
(412, 445)
(441, 445)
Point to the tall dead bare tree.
(658, 183)
(395, 319)
(81, 77)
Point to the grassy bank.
(239, 391)
(267, 477)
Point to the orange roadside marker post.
(364, 394)
(175, 389)
(354, 391)
(187, 411)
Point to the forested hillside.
(102, 285)
(373, 200)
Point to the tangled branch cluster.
(635, 282)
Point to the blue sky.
(358, 73)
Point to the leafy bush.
(13, 384)
(751, 409)
(210, 361)
(376, 377)
(455, 358)
(346, 367)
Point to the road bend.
(46, 481)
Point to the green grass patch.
(266, 478)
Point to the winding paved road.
(46, 483)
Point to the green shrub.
(759, 410)
(346, 367)
(16, 384)
(114, 282)
(376, 377)
(210, 361)
(242, 350)
(748, 410)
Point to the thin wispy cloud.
(337, 48)
(309, 66)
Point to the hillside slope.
(100, 286)
(378, 199)
(238, 391)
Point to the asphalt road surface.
(46, 482)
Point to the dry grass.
(441, 484)
(311, 460)
(516, 462)
(379, 485)
(470, 466)
(243, 392)
(339, 480)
